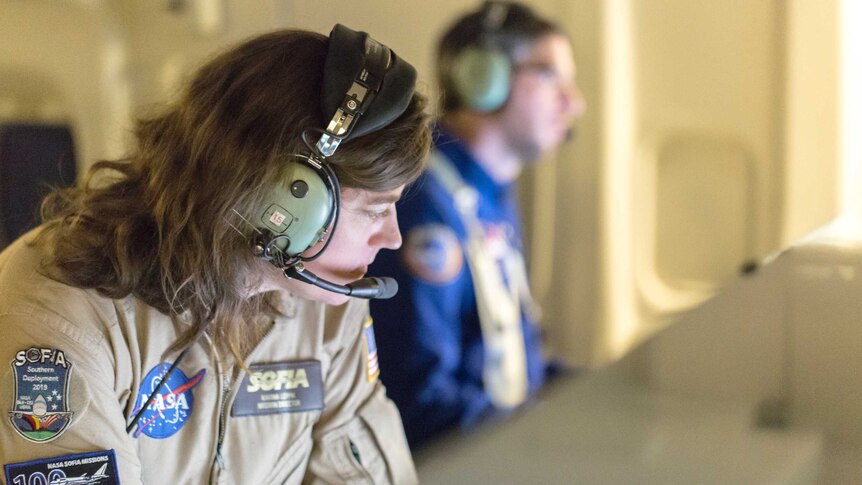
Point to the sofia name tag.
(284, 387)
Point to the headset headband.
(494, 15)
(357, 71)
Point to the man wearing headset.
(459, 342)
(185, 316)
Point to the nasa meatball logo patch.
(40, 406)
(172, 405)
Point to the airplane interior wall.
(63, 63)
(692, 165)
(717, 135)
(789, 334)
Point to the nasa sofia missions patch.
(40, 405)
(84, 468)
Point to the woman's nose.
(389, 236)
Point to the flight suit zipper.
(224, 399)
(219, 463)
(222, 421)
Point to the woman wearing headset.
(150, 331)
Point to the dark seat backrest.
(33, 159)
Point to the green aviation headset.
(366, 86)
(480, 74)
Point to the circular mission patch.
(433, 253)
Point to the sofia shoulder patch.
(40, 405)
(433, 253)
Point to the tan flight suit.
(104, 354)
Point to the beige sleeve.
(359, 438)
(96, 422)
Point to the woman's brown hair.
(156, 224)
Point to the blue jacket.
(429, 338)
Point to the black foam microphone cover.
(380, 288)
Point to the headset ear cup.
(481, 78)
(298, 210)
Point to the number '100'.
(39, 478)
